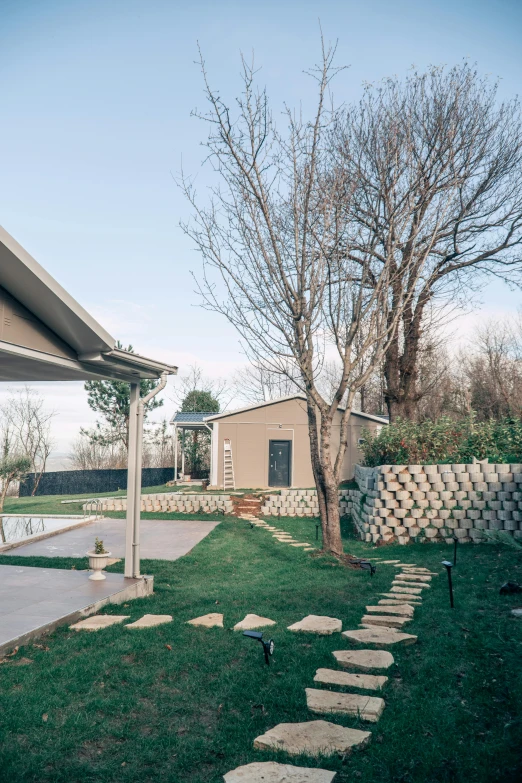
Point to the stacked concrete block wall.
(437, 502)
(198, 503)
(300, 503)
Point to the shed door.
(279, 463)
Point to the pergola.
(186, 422)
(45, 335)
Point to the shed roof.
(191, 417)
(298, 396)
(89, 351)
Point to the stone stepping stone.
(382, 636)
(253, 621)
(394, 602)
(212, 620)
(389, 621)
(411, 585)
(364, 660)
(299, 545)
(517, 612)
(408, 597)
(405, 565)
(309, 549)
(330, 703)
(271, 772)
(151, 621)
(404, 609)
(313, 623)
(99, 621)
(367, 682)
(413, 577)
(312, 738)
(389, 562)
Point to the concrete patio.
(160, 539)
(35, 601)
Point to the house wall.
(251, 431)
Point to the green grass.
(121, 706)
(52, 504)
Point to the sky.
(96, 122)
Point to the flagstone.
(364, 660)
(389, 562)
(271, 772)
(396, 589)
(399, 609)
(368, 682)
(419, 585)
(313, 738)
(417, 599)
(150, 621)
(212, 620)
(252, 621)
(330, 702)
(381, 636)
(413, 577)
(299, 545)
(394, 602)
(319, 624)
(309, 549)
(389, 621)
(98, 621)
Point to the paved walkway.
(161, 539)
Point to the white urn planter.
(96, 564)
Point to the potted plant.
(98, 560)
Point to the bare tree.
(255, 383)
(439, 168)
(30, 424)
(284, 263)
(194, 380)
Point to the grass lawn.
(178, 703)
(52, 504)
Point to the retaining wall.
(198, 503)
(436, 502)
(300, 503)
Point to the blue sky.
(95, 119)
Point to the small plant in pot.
(98, 557)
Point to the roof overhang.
(94, 352)
(297, 396)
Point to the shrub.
(444, 441)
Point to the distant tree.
(195, 382)
(112, 400)
(198, 400)
(13, 468)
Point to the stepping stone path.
(314, 623)
(270, 772)
(98, 621)
(212, 620)
(364, 660)
(397, 588)
(388, 621)
(368, 708)
(380, 636)
(419, 585)
(404, 609)
(253, 621)
(313, 738)
(151, 621)
(416, 599)
(405, 577)
(367, 682)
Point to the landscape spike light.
(317, 526)
(455, 542)
(268, 645)
(366, 566)
(448, 566)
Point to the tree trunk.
(325, 481)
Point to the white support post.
(183, 451)
(137, 492)
(131, 478)
(175, 452)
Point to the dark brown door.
(279, 463)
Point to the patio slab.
(35, 601)
(161, 539)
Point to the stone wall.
(300, 503)
(174, 502)
(436, 502)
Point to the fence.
(82, 482)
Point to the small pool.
(14, 529)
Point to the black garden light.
(268, 646)
(366, 566)
(455, 542)
(317, 526)
(448, 566)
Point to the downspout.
(139, 454)
(211, 471)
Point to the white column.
(131, 477)
(137, 492)
(175, 452)
(183, 450)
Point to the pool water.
(21, 528)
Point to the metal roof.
(299, 396)
(93, 350)
(191, 417)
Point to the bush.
(444, 441)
